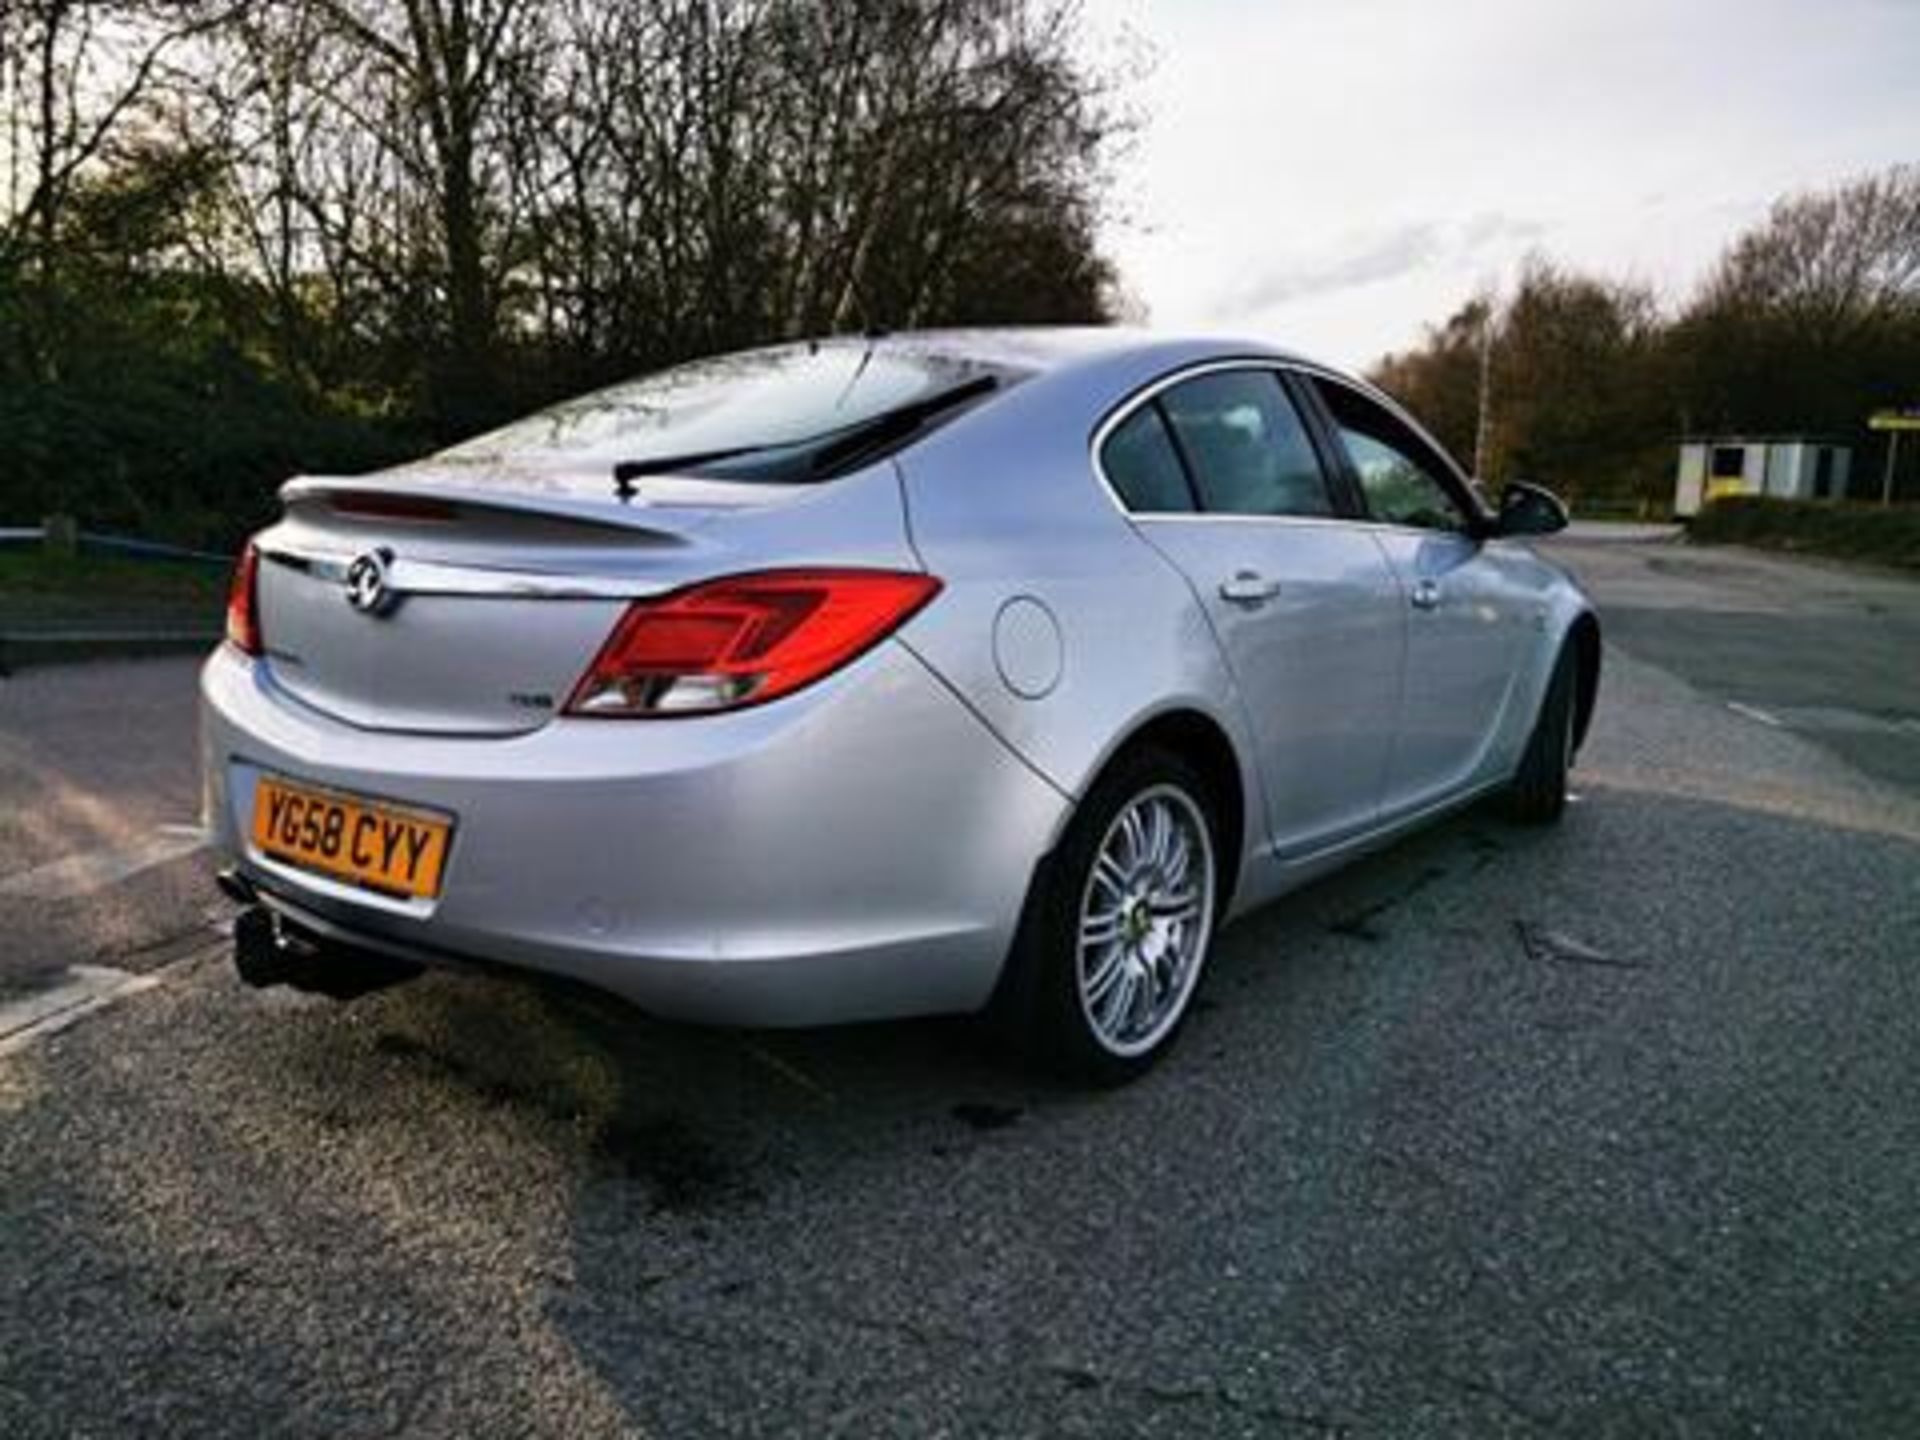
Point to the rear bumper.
(858, 851)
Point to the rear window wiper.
(625, 472)
(859, 442)
(822, 457)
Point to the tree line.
(1808, 323)
(242, 239)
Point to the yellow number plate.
(383, 847)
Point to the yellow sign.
(1894, 420)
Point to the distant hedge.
(1885, 535)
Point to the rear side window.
(1246, 445)
(1143, 467)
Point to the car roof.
(1044, 349)
(1116, 359)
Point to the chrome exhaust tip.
(235, 886)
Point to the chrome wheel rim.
(1146, 915)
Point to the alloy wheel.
(1146, 914)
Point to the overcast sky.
(1335, 173)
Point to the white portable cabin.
(1787, 467)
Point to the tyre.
(1118, 924)
(1538, 795)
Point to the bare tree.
(414, 90)
(333, 228)
(76, 76)
(1837, 260)
(73, 75)
(1812, 319)
(1573, 364)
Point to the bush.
(1885, 535)
(147, 420)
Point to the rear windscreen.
(756, 414)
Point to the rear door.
(1220, 473)
(1467, 615)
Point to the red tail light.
(243, 603)
(734, 642)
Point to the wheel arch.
(1203, 742)
(1200, 739)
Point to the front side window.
(1245, 445)
(1401, 478)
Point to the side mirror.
(1530, 510)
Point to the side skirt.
(1268, 878)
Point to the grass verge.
(39, 572)
(43, 594)
(1880, 535)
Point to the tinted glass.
(776, 400)
(1400, 476)
(1246, 444)
(1142, 465)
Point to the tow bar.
(269, 949)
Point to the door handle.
(1248, 587)
(1426, 595)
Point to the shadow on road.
(1430, 1157)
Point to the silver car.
(877, 677)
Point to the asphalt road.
(99, 809)
(1830, 652)
(1609, 1129)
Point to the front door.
(1468, 612)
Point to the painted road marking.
(1754, 712)
(78, 991)
(94, 870)
(1836, 719)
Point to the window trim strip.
(1289, 370)
(1150, 393)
